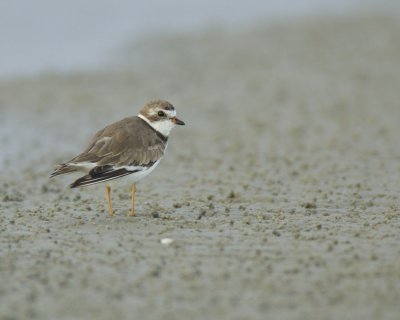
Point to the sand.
(281, 194)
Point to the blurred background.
(281, 192)
(51, 36)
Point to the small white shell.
(167, 241)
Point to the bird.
(131, 147)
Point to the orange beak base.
(177, 121)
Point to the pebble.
(167, 241)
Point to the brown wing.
(129, 142)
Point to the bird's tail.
(62, 169)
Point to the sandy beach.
(281, 193)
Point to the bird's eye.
(161, 113)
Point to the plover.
(131, 147)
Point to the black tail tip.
(53, 174)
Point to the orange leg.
(110, 210)
(133, 190)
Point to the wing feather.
(101, 174)
(128, 142)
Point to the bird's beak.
(177, 121)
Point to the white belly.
(131, 178)
(135, 177)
